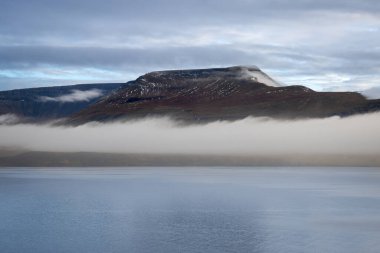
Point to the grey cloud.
(27, 21)
(26, 56)
(128, 63)
(166, 10)
(140, 60)
(133, 37)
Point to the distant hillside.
(82, 159)
(46, 103)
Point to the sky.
(326, 45)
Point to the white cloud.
(74, 96)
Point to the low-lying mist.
(252, 136)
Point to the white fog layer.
(251, 136)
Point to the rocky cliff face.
(203, 95)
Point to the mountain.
(204, 95)
(47, 103)
(196, 95)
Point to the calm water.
(190, 210)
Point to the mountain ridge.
(190, 96)
(204, 95)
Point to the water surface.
(190, 210)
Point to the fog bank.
(357, 135)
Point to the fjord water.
(190, 210)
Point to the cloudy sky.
(327, 45)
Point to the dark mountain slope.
(46, 103)
(203, 95)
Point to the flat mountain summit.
(204, 95)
